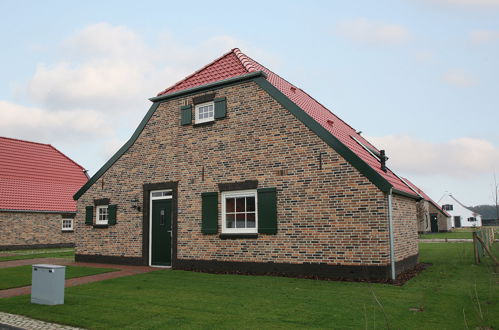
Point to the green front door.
(434, 223)
(161, 227)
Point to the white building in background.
(461, 216)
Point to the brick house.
(234, 169)
(431, 216)
(37, 183)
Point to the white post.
(390, 230)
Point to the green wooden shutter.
(111, 211)
(267, 210)
(209, 210)
(186, 114)
(220, 107)
(89, 215)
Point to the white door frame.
(167, 194)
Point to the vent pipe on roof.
(382, 158)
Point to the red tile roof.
(235, 63)
(37, 177)
(426, 197)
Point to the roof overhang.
(36, 211)
(403, 193)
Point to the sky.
(419, 78)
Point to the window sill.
(68, 231)
(100, 226)
(238, 236)
(206, 123)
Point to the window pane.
(240, 220)
(230, 219)
(230, 205)
(250, 204)
(250, 220)
(240, 204)
(103, 214)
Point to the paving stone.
(13, 321)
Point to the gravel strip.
(12, 321)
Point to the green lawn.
(38, 253)
(14, 277)
(452, 294)
(457, 234)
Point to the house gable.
(258, 140)
(301, 115)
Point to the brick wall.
(405, 227)
(423, 216)
(32, 229)
(332, 215)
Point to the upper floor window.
(101, 215)
(447, 207)
(204, 112)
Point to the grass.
(14, 277)
(452, 294)
(457, 234)
(37, 253)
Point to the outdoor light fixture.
(135, 205)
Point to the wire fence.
(483, 239)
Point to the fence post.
(475, 249)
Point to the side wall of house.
(405, 232)
(423, 214)
(25, 230)
(329, 213)
(443, 221)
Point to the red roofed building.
(37, 183)
(431, 216)
(234, 169)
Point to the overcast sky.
(420, 78)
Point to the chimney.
(382, 158)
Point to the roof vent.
(293, 89)
(330, 122)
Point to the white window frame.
(97, 220)
(235, 194)
(66, 228)
(198, 120)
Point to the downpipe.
(390, 231)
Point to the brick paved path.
(123, 271)
(12, 321)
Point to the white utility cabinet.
(47, 284)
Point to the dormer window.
(205, 112)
